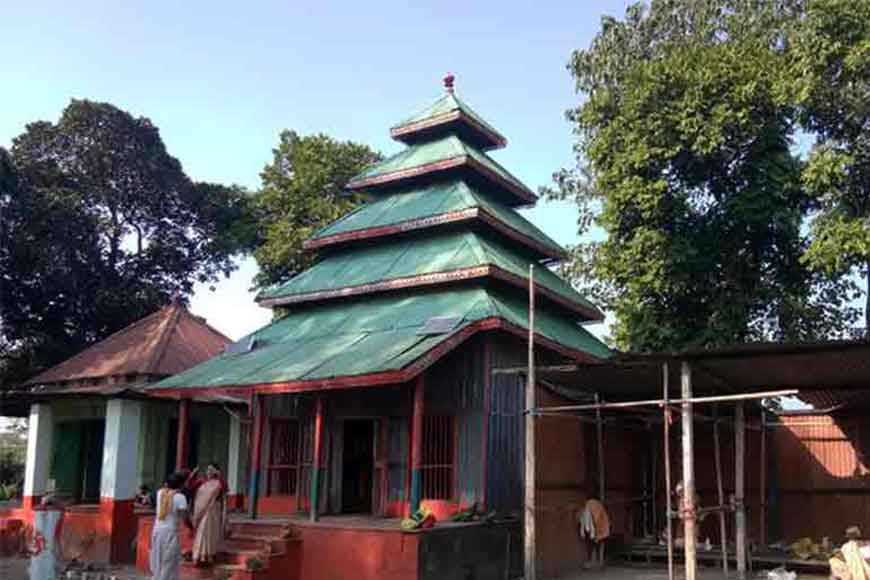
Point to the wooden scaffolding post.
(599, 428)
(529, 472)
(717, 452)
(688, 508)
(259, 412)
(667, 455)
(739, 483)
(762, 487)
(316, 468)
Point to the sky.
(221, 80)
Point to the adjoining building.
(96, 434)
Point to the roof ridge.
(82, 353)
(166, 330)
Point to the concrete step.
(261, 529)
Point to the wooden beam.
(599, 430)
(762, 488)
(666, 421)
(688, 509)
(182, 445)
(658, 402)
(717, 456)
(529, 467)
(417, 442)
(739, 485)
(259, 411)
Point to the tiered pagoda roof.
(440, 237)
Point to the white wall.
(39, 442)
(121, 449)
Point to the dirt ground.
(17, 569)
(656, 572)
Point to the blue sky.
(221, 80)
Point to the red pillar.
(182, 448)
(417, 443)
(256, 454)
(316, 469)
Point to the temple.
(374, 393)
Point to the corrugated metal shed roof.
(340, 339)
(166, 342)
(826, 373)
(443, 252)
(431, 201)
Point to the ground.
(16, 569)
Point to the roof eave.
(491, 138)
(395, 177)
(382, 378)
(430, 279)
(545, 250)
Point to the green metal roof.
(423, 154)
(338, 339)
(402, 258)
(438, 199)
(445, 105)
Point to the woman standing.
(209, 514)
(165, 556)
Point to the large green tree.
(685, 163)
(303, 191)
(830, 62)
(100, 227)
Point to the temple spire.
(448, 82)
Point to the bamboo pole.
(717, 452)
(316, 460)
(529, 519)
(658, 402)
(739, 482)
(654, 477)
(599, 428)
(688, 507)
(667, 455)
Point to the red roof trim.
(395, 283)
(444, 165)
(590, 313)
(391, 229)
(383, 378)
(432, 279)
(496, 141)
(432, 221)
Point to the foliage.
(100, 227)
(303, 191)
(685, 162)
(830, 61)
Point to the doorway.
(357, 468)
(78, 459)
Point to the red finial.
(448, 82)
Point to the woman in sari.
(165, 557)
(209, 513)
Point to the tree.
(684, 161)
(303, 191)
(830, 60)
(101, 226)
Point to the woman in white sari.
(165, 557)
(209, 515)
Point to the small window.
(283, 468)
(438, 461)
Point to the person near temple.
(209, 513)
(172, 508)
